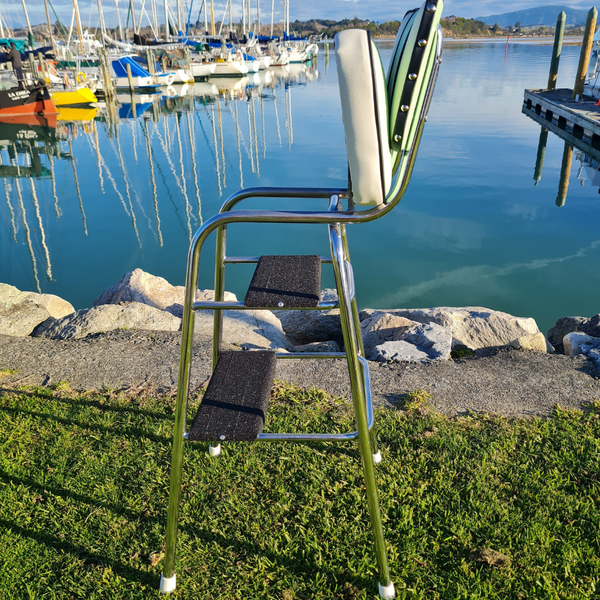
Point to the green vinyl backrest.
(381, 114)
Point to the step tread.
(285, 281)
(236, 399)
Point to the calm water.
(89, 201)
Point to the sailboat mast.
(119, 20)
(178, 6)
(205, 16)
(244, 17)
(27, 19)
(49, 25)
(258, 18)
(272, 13)
(100, 19)
(131, 8)
(167, 38)
(212, 17)
(78, 20)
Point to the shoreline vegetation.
(453, 28)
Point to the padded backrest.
(381, 114)
(365, 115)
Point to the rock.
(387, 337)
(139, 286)
(247, 329)
(577, 342)
(563, 326)
(307, 326)
(399, 351)
(535, 343)
(594, 355)
(472, 326)
(22, 312)
(591, 326)
(329, 346)
(133, 315)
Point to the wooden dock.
(579, 119)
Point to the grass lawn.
(473, 507)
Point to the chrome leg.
(352, 348)
(219, 293)
(167, 584)
(354, 309)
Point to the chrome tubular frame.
(336, 219)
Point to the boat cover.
(120, 69)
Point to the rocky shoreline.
(141, 301)
(467, 359)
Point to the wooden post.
(565, 173)
(541, 153)
(42, 66)
(584, 56)
(558, 40)
(32, 67)
(129, 77)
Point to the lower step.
(235, 404)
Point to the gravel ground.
(506, 382)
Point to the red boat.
(32, 100)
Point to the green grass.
(473, 507)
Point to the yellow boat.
(82, 95)
(67, 113)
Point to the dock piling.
(541, 153)
(129, 78)
(584, 56)
(556, 50)
(565, 173)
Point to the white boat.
(230, 68)
(202, 69)
(140, 78)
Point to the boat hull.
(74, 97)
(32, 100)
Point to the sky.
(375, 10)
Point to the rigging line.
(134, 140)
(165, 150)
(57, 208)
(114, 184)
(27, 233)
(262, 118)
(192, 137)
(250, 141)
(77, 187)
(238, 134)
(255, 139)
(97, 146)
(12, 212)
(188, 208)
(41, 226)
(133, 218)
(276, 117)
(212, 107)
(221, 139)
(153, 180)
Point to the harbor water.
(108, 191)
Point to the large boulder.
(472, 326)
(534, 343)
(389, 337)
(22, 312)
(139, 286)
(591, 326)
(132, 315)
(563, 326)
(577, 342)
(307, 326)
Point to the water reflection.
(134, 170)
(586, 153)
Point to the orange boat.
(32, 100)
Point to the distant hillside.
(536, 17)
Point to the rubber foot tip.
(167, 584)
(388, 592)
(214, 450)
(377, 457)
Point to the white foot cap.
(388, 592)
(167, 584)
(377, 457)
(214, 450)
